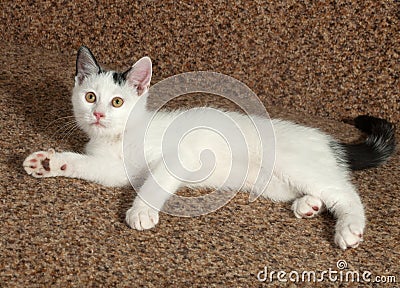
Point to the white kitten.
(311, 168)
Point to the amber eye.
(117, 102)
(90, 97)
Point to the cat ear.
(86, 65)
(139, 75)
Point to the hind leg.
(346, 206)
(339, 196)
(349, 212)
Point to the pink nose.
(98, 115)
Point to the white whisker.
(59, 119)
(66, 129)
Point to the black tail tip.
(371, 125)
(378, 146)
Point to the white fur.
(305, 167)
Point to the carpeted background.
(314, 62)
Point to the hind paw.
(349, 235)
(307, 206)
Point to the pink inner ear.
(140, 75)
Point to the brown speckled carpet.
(316, 63)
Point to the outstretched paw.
(307, 206)
(40, 164)
(141, 216)
(349, 235)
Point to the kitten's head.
(102, 100)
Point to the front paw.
(141, 216)
(349, 235)
(41, 164)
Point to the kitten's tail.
(379, 145)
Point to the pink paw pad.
(63, 167)
(46, 164)
(307, 206)
(38, 164)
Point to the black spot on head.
(119, 78)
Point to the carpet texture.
(315, 63)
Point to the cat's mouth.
(98, 124)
